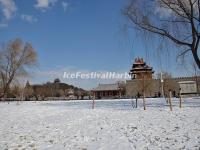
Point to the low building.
(70, 94)
(109, 91)
(188, 88)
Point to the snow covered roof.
(185, 82)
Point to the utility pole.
(162, 87)
(144, 95)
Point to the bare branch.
(183, 53)
(180, 22)
(16, 57)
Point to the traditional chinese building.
(142, 79)
(140, 70)
(109, 91)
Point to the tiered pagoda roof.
(140, 66)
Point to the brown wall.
(106, 94)
(133, 87)
(154, 86)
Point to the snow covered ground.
(112, 125)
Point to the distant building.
(142, 80)
(109, 91)
(71, 94)
(140, 70)
(188, 87)
(142, 76)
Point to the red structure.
(140, 70)
(109, 91)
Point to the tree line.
(16, 59)
(53, 89)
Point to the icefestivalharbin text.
(96, 75)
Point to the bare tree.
(175, 20)
(196, 75)
(168, 83)
(122, 88)
(16, 57)
(28, 91)
(144, 86)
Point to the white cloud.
(65, 6)
(8, 8)
(3, 25)
(28, 18)
(44, 4)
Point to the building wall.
(106, 94)
(133, 87)
(145, 75)
(153, 87)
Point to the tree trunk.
(136, 105)
(7, 85)
(5, 90)
(93, 100)
(180, 103)
(144, 100)
(196, 58)
(170, 100)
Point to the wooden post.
(120, 94)
(170, 99)
(93, 100)
(136, 102)
(144, 101)
(180, 104)
(167, 100)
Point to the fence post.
(170, 99)
(93, 100)
(180, 104)
(144, 100)
(136, 101)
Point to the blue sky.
(78, 35)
